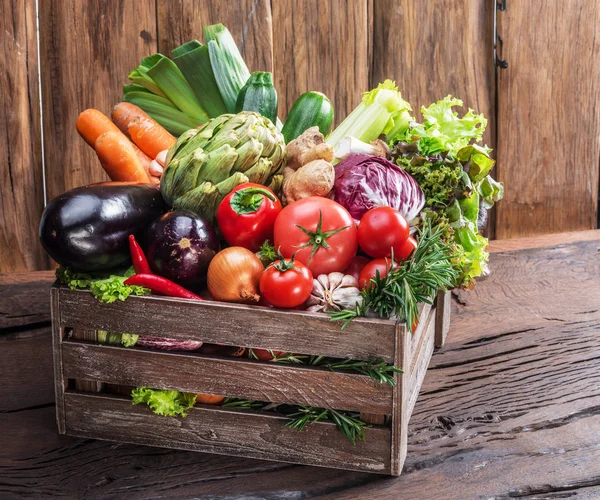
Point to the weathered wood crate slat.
(84, 368)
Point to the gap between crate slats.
(227, 432)
(261, 381)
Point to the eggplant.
(181, 246)
(87, 228)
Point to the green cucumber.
(258, 94)
(310, 109)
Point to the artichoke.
(205, 164)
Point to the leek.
(230, 70)
(163, 111)
(373, 116)
(140, 75)
(171, 81)
(193, 60)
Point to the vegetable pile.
(212, 197)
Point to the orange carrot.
(119, 159)
(92, 123)
(151, 137)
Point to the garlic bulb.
(334, 292)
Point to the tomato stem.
(317, 238)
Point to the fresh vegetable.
(193, 59)
(234, 276)
(349, 424)
(166, 344)
(161, 285)
(406, 250)
(381, 231)
(181, 246)
(316, 178)
(146, 133)
(138, 259)
(246, 216)
(168, 403)
(307, 147)
(356, 266)
(334, 292)
(363, 182)
(286, 284)
(374, 268)
(264, 354)
(258, 94)
(381, 111)
(267, 253)
(115, 338)
(229, 68)
(105, 288)
(206, 164)
(311, 109)
(92, 123)
(209, 399)
(319, 232)
(82, 229)
(407, 284)
(119, 159)
(351, 146)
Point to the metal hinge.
(500, 5)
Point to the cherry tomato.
(320, 232)
(209, 399)
(356, 266)
(380, 230)
(266, 354)
(286, 283)
(382, 265)
(246, 216)
(406, 250)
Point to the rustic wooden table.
(510, 407)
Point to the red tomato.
(356, 266)
(286, 283)
(246, 216)
(319, 231)
(380, 230)
(382, 265)
(266, 354)
(406, 250)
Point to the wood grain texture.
(60, 383)
(442, 318)
(25, 299)
(548, 126)
(87, 51)
(220, 431)
(249, 21)
(261, 381)
(322, 46)
(541, 241)
(21, 177)
(232, 324)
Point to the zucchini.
(310, 109)
(258, 94)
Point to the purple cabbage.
(363, 182)
(168, 344)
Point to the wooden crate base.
(84, 411)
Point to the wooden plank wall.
(548, 136)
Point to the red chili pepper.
(140, 263)
(161, 285)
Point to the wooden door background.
(543, 108)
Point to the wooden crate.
(82, 367)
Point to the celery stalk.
(163, 111)
(171, 81)
(229, 68)
(196, 67)
(373, 116)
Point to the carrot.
(92, 123)
(119, 159)
(151, 137)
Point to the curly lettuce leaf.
(163, 402)
(490, 191)
(116, 338)
(444, 131)
(104, 288)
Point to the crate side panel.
(427, 323)
(421, 359)
(416, 337)
(232, 324)
(261, 381)
(236, 433)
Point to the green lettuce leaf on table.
(104, 288)
(163, 402)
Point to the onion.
(234, 276)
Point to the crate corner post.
(58, 332)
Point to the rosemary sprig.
(349, 425)
(409, 283)
(379, 371)
(247, 404)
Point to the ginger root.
(307, 147)
(316, 178)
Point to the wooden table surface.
(510, 407)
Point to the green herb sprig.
(349, 425)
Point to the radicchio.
(363, 182)
(168, 344)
